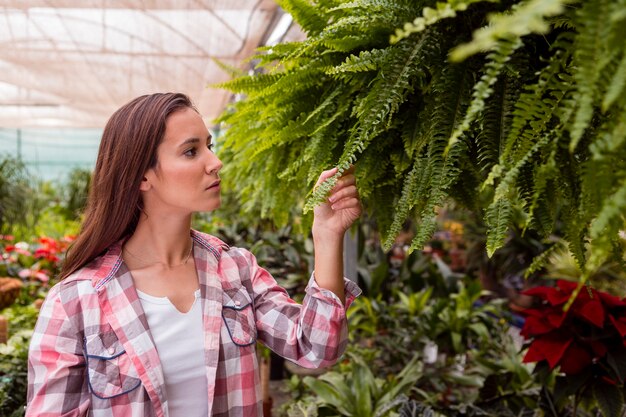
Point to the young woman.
(152, 318)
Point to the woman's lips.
(213, 186)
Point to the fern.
(306, 14)
(534, 119)
(431, 16)
(483, 89)
(616, 87)
(526, 18)
(386, 95)
(366, 61)
(498, 217)
(405, 203)
(589, 51)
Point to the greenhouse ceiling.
(71, 63)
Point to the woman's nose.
(214, 164)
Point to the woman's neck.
(160, 240)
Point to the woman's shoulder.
(220, 249)
(209, 241)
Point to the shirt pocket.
(110, 370)
(238, 315)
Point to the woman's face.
(185, 178)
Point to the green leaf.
(609, 398)
(528, 18)
(617, 360)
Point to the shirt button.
(237, 303)
(112, 350)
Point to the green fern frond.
(425, 229)
(412, 134)
(604, 228)
(496, 120)
(431, 16)
(371, 167)
(372, 7)
(365, 61)
(498, 218)
(404, 205)
(526, 18)
(484, 87)
(229, 69)
(589, 53)
(383, 100)
(616, 86)
(614, 207)
(306, 14)
(309, 76)
(610, 140)
(250, 84)
(508, 182)
(451, 90)
(539, 103)
(543, 259)
(544, 174)
(320, 193)
(280, 53)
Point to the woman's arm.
(331, 221)
(57, 382)
(314, 334)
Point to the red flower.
(579, 337)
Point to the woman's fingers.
(346, 177)
(346, 203)
(326, 175)
(345, 192)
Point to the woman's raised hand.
(342, 207)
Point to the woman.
(152, 318)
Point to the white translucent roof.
(71, 63)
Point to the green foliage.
(431, 16)
(14, 194)
(358, 392)
(526, 17)
(532, 122)
(13, 374)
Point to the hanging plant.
(519, 101)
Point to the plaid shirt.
(92, 352)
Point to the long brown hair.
(127, 150)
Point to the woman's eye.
(210, 146)
(190, 152)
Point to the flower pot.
(9, 291)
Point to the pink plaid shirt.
(92, 352)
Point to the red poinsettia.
(594, 324)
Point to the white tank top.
(179, 339)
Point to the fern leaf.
(431, 16)
(484, 88)
(543, 259)
(382, 101)
(306, 14)
(508, 182)
(365, 61)
(403, 206)
(589, 50)
(527, 17)
(616, 87)
(250, 83)
(613, 207)
(425, 229)
(229, 69)
(544, 173)
(498, 217)
(539, 103)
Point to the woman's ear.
(145, 184)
